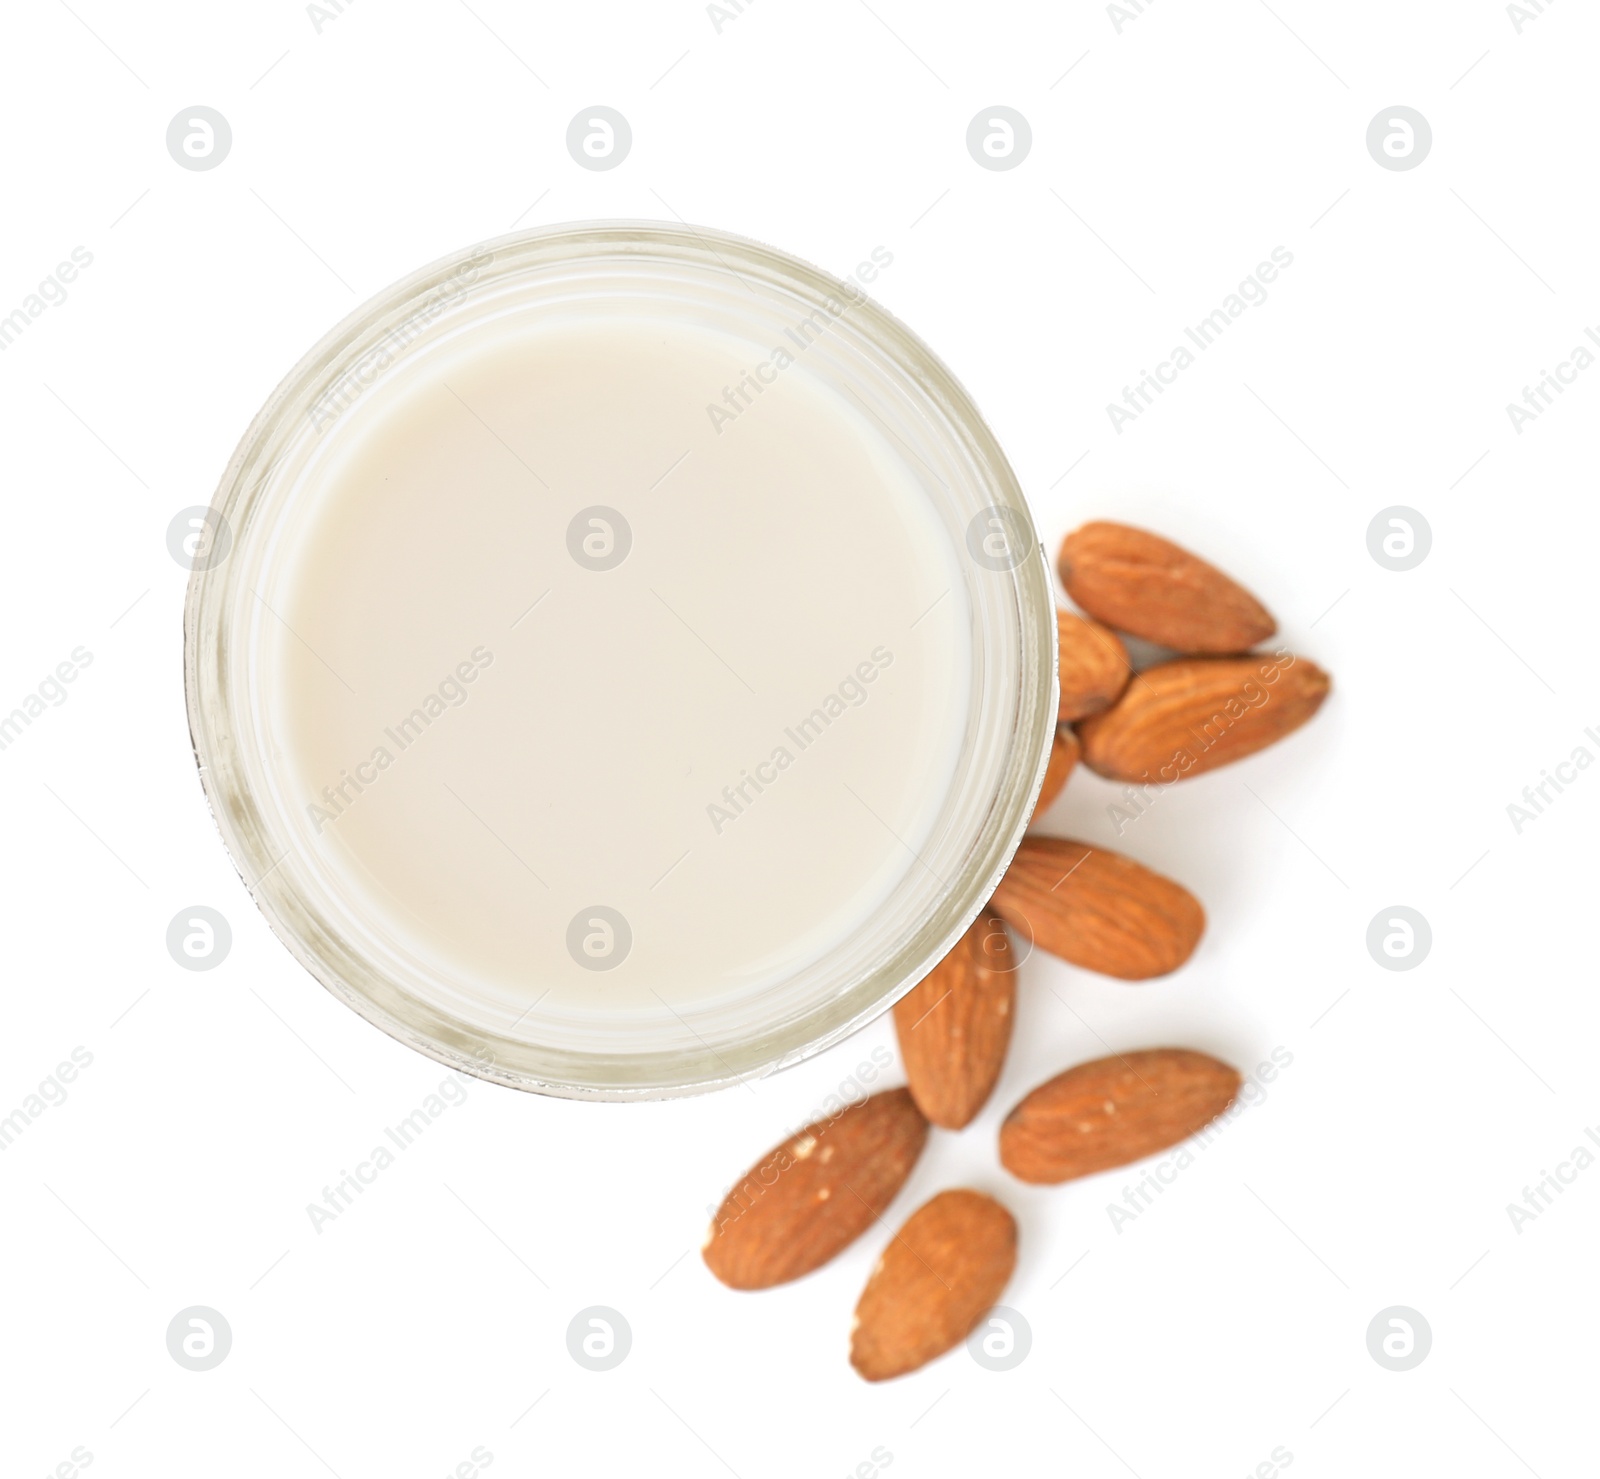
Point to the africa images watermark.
(736, 798)
(331, 10)
(744, 1193)
(1538, 795)
(450, 693)
(51, 293)
(1541, 396)
(1532, 10)
(1138, 799)
(337, 398)
(50, 1092)
(51, 691)
(722, 15)
(1141, 1195)
(1250, 293)
(339, 1197)
(738, 397)
(1538, 1198)
(1125, 14)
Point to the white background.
(1227, 1320)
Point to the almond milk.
(615, 662)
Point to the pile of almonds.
(813, 1195)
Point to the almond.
(1148, 586)
(816, 1193)
(1064, 752)
(1094, 666)
(1191, 715)
(944, 1269)
(1114, 1111)
(954, 1026)
(1098, 909)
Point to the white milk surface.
(669, 780)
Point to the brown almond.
(945, 1268)
(1098, 909)
(1193, 714)
(1150, 587)
(816, 1193)
(1094, 666)
(1114, 1111)
(1065, 750)
(954, 1026)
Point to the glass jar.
(896, 393)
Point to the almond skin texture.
(1098, 909)
(1140, 583)
(945, 1268)
(954, 1026)
(1196, 713)
(1094, 666)
(816, 1193)
(1065, 751)
(1114, 1111)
